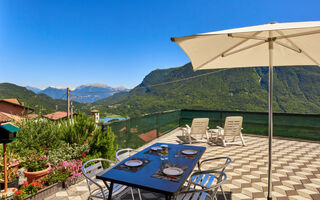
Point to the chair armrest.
(218, 127)
(188, 129)
(228, 161)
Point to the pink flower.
(43, 157)
(46, 151)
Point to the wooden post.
(68, 103)
(5, 167)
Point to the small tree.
(102, 143)
(77, 131)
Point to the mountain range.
(296, 90)
(87, 93)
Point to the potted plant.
(36, 167)
(12, 179)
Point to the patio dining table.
(146, 177)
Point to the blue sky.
(74, 42)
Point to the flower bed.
(45, 192)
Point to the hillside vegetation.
(39, 102)
(296, 90)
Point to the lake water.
(105, 120)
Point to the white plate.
(156, 148)
(133, 163)
(189, 152)
(173, 171)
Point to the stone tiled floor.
(296, 169)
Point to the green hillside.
(296, 90)
(36, 101)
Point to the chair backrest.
(199, 126)
(125, 153)
(93, 169)
(217, 163)
(233, 125)
(211, 180)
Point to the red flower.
(25, 184)
(46, 151)
(13, 189)
(33, 184)
(18, 192)
(84, 155)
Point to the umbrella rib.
(254, 37)
(297, 47)
(298, 50)
(244, 48)
(221, 54)
(298, 34)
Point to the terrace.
(296, 162)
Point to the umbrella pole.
(270, 115)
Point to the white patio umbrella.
(273, 44)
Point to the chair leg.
(140, 198)
(224, 195)
(132, 195)
(223, 141)
(218, 135)
(242, 140)
(189, 138)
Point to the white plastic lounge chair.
(198, 129)
(232, 128)
(96, 189)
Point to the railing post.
(157, 124)
(180, 113)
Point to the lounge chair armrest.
(218, 127)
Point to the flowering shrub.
(64, 170)
(27, 189)
(67, 152)
(35, 162)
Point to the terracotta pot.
(36, 176)
(14, 167)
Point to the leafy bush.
(78, 130)
(67, 152)
(36, 134)
(102, 143)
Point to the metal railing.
(134, 132)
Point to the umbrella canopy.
(290, 44)
(294, 44)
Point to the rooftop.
(56, 115)
(296, 173)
